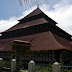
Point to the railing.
(46, 65)
(66, 68)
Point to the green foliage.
(71, 70)
(39, 68)
(66, 70)
(61, 61)
(20, 65)
(6, 64)
(0, 67)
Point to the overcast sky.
(58, 10)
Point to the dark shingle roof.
(32, 22)
(28, 24)
(41, 41)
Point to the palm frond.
(25, 1)
(28, 2)
(20, 2)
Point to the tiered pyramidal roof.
(38, 29)
(34, 18)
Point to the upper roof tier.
(35, 12)
(38, 12)
(34, 18)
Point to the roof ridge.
(55, 39)
(38, 9)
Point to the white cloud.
(62, 2)
(44, 7)
(62, 15)
(6, 24)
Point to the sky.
(58, 10)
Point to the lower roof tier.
(40, 42)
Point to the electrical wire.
(64, 5)
(41, 4)
(46, 2)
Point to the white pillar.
(56, 67)
(31, 66)
(1, 60)
(13, 65)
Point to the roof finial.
(37, 4)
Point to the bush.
(20, 65)
(43, 68)
(6, 64)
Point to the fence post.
(56, 67)
(13, 65)
(31, 66)
(1, 60)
